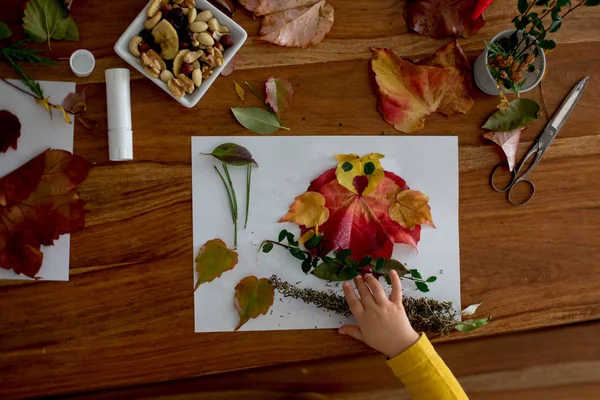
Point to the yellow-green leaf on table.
(279, 94)
(253, 297)
(47, 19)
(213, 259)
(232, 154)
(5, 31)
(520, 112)
(257, 120)
(240, 91)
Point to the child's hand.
(382, 322)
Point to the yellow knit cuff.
(412, 357)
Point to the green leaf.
(343, 254)
(232, 154)
(415, 274)
(365, 261)
(290, 239)
(519, 113)
(306, 265)
(282, 235)
(388, 280)
(335, 271)
(369, 168)
(431, 279)
(379, 264)
(214, 258)
(351, 263)
(591, 3)
(542, 2)
(555, 15)
(522, 5)
(313, 242)
(314, 262)
(257, 120)
(555, 26)
(547, 44)
(422, 286)
(531, 68)
(5, 31)
(253, 297)
(347, 166)
(267, 247)
(47, 19)
(299, 254)
(472, 324)
(391, 264)
(327, 260)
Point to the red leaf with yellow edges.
(361, 222)
(409, 92)
(442, 18)
(213, 259)
(10, 130)
(38, 203)
(253, 297)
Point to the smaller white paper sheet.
(38, 133)
(287, 166)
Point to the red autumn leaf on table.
(361, 222)
(10, 130)
(250, 5)
(279, 94)
(509, 142)
(442, 18)
(38, 203)
(253, 297)
(265, 7)
(409, 92)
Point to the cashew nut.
(204, 16)
(205, 39)
(154, 8)
(213, 24)
(198, 26)
(216, 35)
(192, 15)
(151, 23)
(195, 43)
(134, 44)
(190, 3)
(166, 76)
(197, 77)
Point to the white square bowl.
(189, 100)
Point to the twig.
(233, 216)
(283, 245)
(234, 197)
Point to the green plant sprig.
(17, 52)
(340, 266)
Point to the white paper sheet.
(38, 133)
(287, 166)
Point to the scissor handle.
(515, 183)
(493, 175)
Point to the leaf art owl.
(361, 207)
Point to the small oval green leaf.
(422, 287)
(365, 261)
(267, 247)
(256, 119)
(313, 242)
(415, 274)
(431, 279)
(299, 254)
(306, 265)
(282, 235)
(5, 31)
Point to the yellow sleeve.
(425, 374)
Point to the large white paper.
(287, 166)
(38, 133)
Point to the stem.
(283, 245)
(230, 203)
(572, 8)
(235, 204)
(248, 180)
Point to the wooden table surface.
(126, 315)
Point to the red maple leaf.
(10, 130)
(38, 203)
(362, 222)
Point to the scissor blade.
(563, 113)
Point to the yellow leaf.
(307, 236)
(44, 103)
(346, 175)
(308, 210)
(240, 91)
(411, 209)
(65, 115)
(213, 259)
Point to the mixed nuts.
(180, 45)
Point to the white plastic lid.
(82, 63)
(120, 144)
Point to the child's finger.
(378, 293)
(354, 303)
(396, 295)
(365, 293)
(352, 330)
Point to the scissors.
(540, 145)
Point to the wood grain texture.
(558, 363)
(126, 316)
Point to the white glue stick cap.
(82, 63)
(118, 103)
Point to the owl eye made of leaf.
(360, 175)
